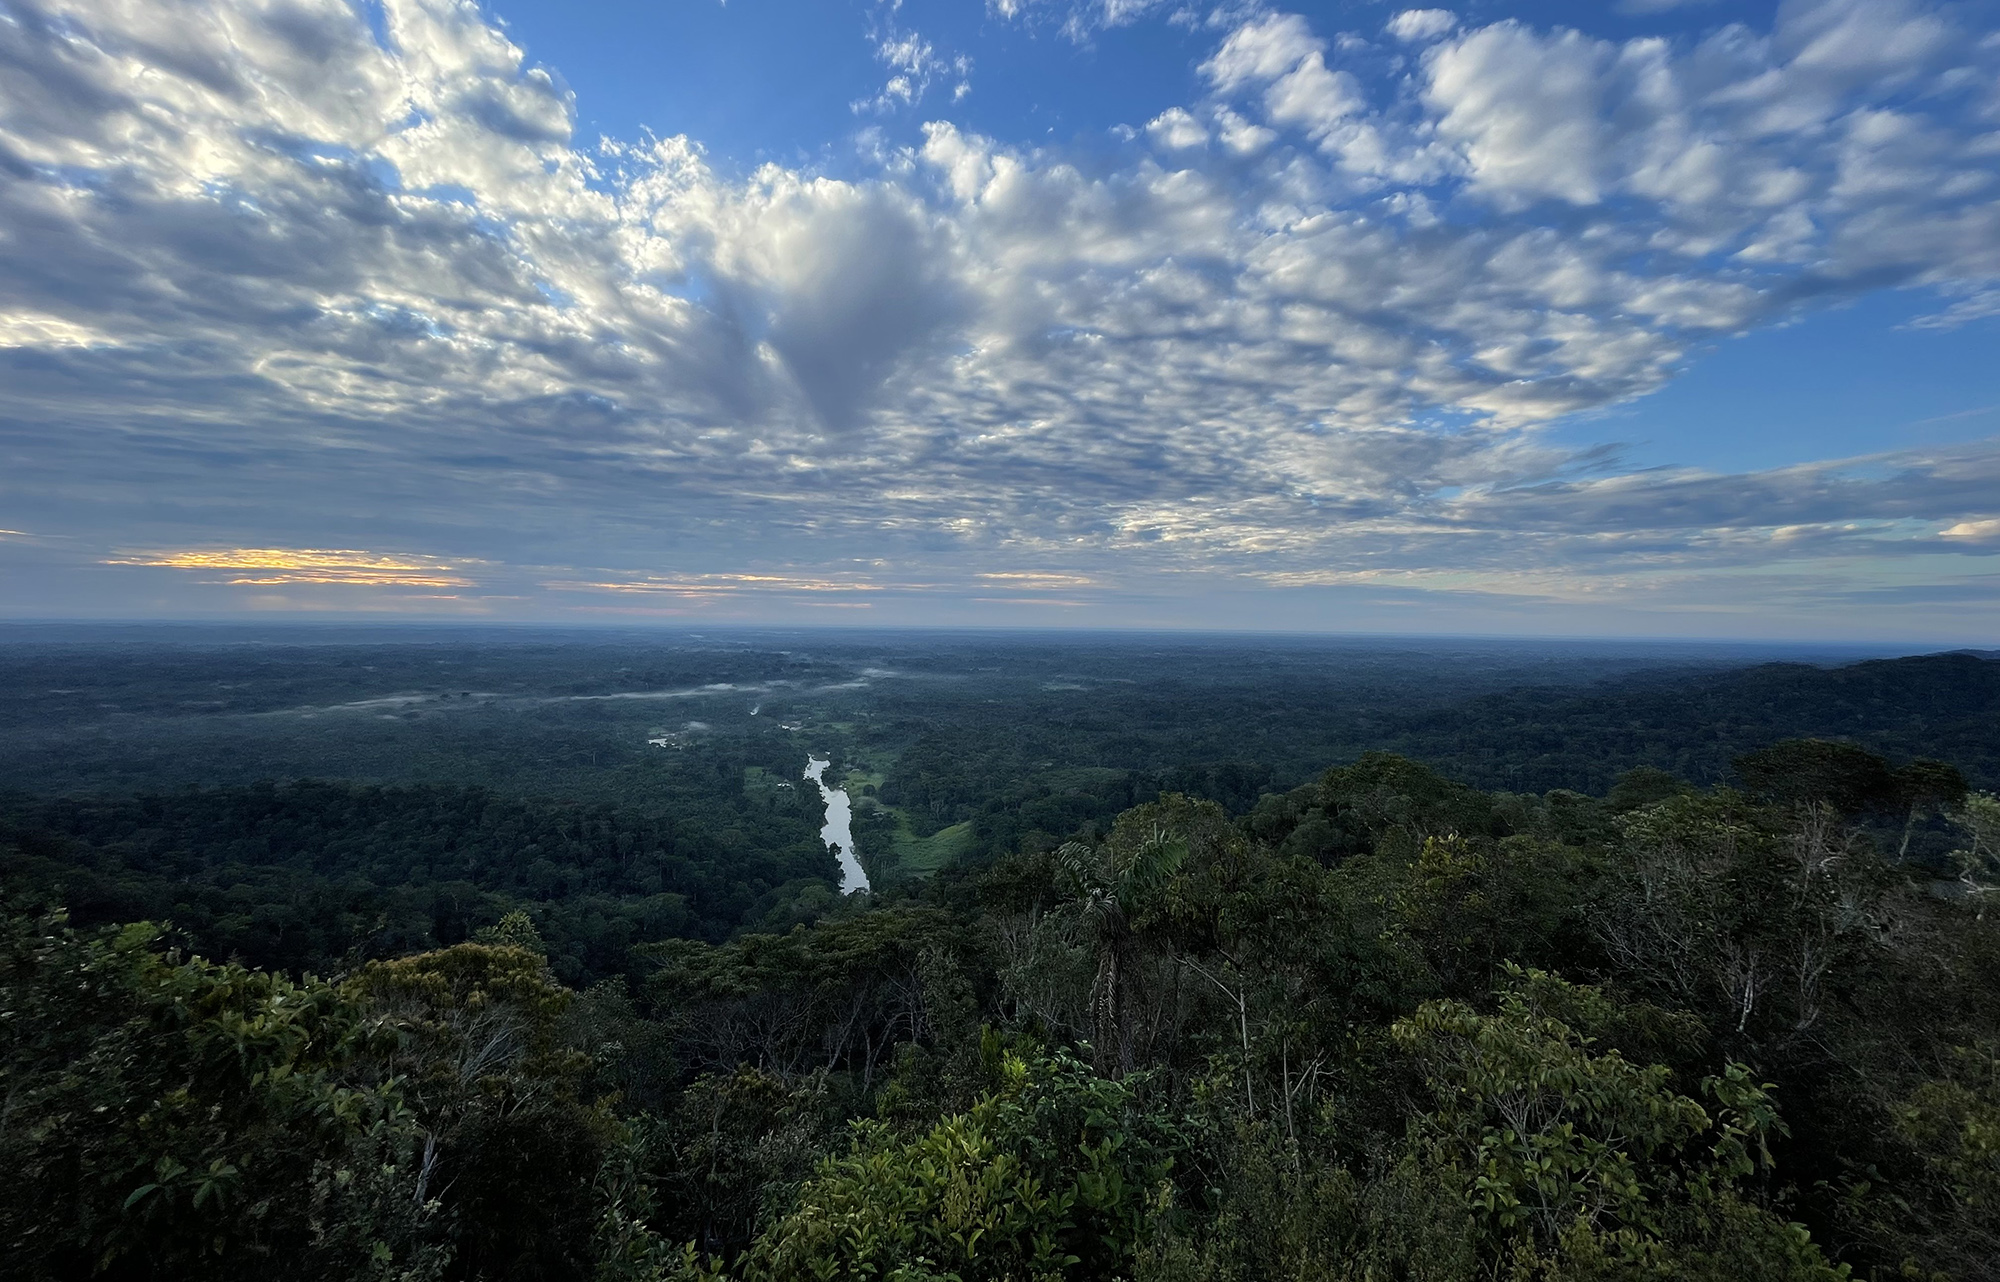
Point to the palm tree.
(1109, 888)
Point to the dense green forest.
(297, 874)
(1060, 761)
(1668, 972)
(954, 746)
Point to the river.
(839, 828)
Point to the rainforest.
(514, 954)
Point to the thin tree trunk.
(1285, 1060)
(1107, 1006)
(1240, 996)
(1243, 1023)
(1119, 1020)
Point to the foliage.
(167, 1117)
(1108, 890)
(1535, 1153)
(1560, 1149)
(1978, 861)
(1936, 1213)
(473, 1036)
(1048, 1177)
(1160, 1020)
(838, 994)
(311, 873)
(1750, 921)
(732, 1154)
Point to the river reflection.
(839, 828)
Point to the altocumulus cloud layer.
(302, 297)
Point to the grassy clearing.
(859, 777)
(912, 855)
(928, 854)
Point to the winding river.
(839, 828)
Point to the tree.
(1926, 787)
(1642, 786)
(1580, 1162)
(1049, 1176)
(1711, 907)
(168, 1117)
(474, 1035)
(1979, 859)
(1108, 887)
(1952, 1122)
(1802, 772)
(1265, 934)
(836, 995)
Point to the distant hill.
(1945, 706)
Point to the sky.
(1629, 318)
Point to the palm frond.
(1077, 863)
(1151, 866)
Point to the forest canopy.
(1385, 1023)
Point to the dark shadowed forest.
(477, 956)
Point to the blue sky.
(778, 79)
(1640, 318)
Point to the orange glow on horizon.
(272, 567)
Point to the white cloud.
(1525, 110)
(1280, 53)
(914, 66)
(1312, 97)
(1638, 8)
(1175, 129)
(383, 283)
(1261, 51)
(1079, 20)
(1242, 136)
(1414, 26)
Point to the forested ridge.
(1382, 1025)
(1035, 772)
(1940, 705)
